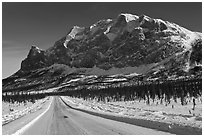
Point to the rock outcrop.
(127, 41)
(147, 49)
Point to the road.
(60, 119)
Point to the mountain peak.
(34, 47)
(34, 51)
(128, 40)
(129, 17)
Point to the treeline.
(163, 91)
(19, 97)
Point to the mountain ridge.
(104, 35)
(129, 44)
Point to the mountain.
(127, 44)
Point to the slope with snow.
(176, 115)
(19, 110)
(124, 45)
(128, 40)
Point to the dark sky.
(41, 24)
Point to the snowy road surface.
(61, 119)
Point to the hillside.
(142, 46)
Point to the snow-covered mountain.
(128, 40)
(124, 45)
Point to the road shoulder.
(14, 126)
(174, 129)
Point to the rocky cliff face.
(126, 41)
(147, 49)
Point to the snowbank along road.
(61, 119)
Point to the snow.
(114, 79)
(192, 37)
(130, 17)
(109, 20)
(73, 34)
(67, 41)
(21, 79)
(146, 18)
(74, 80)
(75, 31)
(173, 113)
(36, 49)
(132, 75)
(19, 110)
(83, 78)
(108, 29)
(92, 26)
(161, 21)
(132, 23)
(181, 35)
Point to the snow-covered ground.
(11, 112)
(174, 113)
